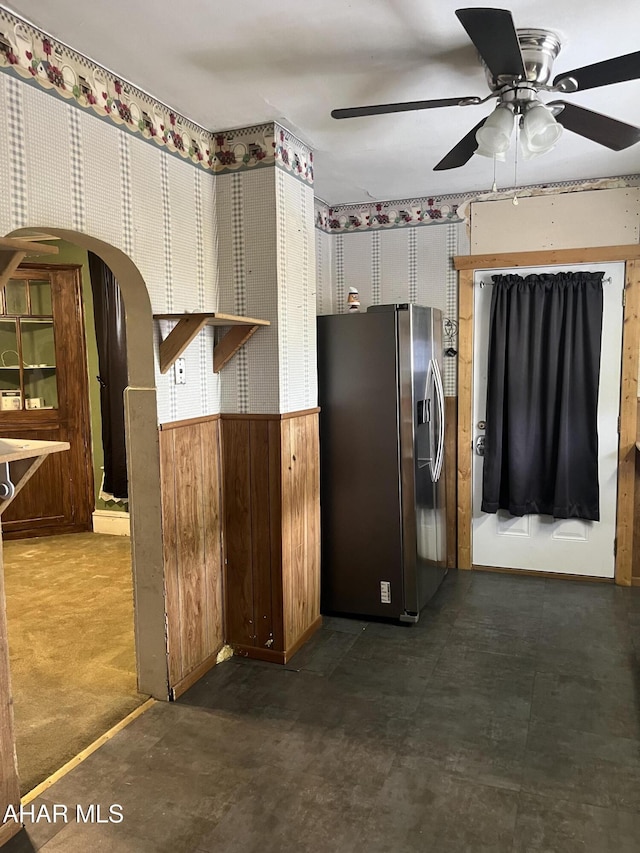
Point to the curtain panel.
(541, 445)
(109, 318)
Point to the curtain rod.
(490, 283)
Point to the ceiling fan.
(518, 65)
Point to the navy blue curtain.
(109, 317)
(541, 444)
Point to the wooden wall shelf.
(188, 326)
(13, 250)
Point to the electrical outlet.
(180, 376)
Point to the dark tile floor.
(507, 720)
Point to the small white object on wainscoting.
(112, 522)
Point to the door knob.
(480, 445)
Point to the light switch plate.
(180, 375)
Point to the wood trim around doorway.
(466, 266)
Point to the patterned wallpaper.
(296, 295)
(267, 269)
(325, 291)
(69, 170)
(402, 265)
(248, 286)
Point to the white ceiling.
(234, 64)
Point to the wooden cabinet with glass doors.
(27, 347)
(44, 396)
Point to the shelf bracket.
(229, 345)
(179, 339)
(239, 330)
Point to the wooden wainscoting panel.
(275, 535)
(300, 526)
(261, 533)
(288, 521)
(272, 532)
(190, 473)
(451, 477)
(236, 463)
(190, 540)
(212, 496)
(313, 519)
(170, 554)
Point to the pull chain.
(515, 166)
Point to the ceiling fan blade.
(381, 109)
(604, 73)
(494, 34)
(462, 152)
(600, 128)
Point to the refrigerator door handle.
(440, 405)
(428, 400)
(426, 403)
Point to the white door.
(538, 542)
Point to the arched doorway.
(143, 460)
(143, 464)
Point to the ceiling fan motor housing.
(539, 49)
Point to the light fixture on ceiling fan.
(518, 65)
(540, 130)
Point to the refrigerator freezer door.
(421, 453)
(440, 499)
(414, 355)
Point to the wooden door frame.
(467, 265)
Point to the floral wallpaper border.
(39, 59)
(263, 145)
(376, 215)
(439, 210)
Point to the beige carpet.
(70, 625)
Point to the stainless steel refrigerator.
(382, 492)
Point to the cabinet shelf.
(188, 326)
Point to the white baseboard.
(109, 521)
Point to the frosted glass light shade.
(540, 131)
(495, 134)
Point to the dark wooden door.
(44, 395)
